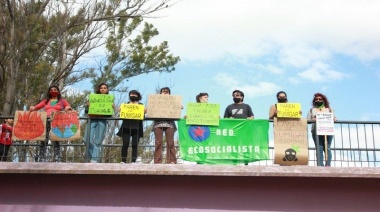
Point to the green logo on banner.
(234, 141)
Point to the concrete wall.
(126, 187)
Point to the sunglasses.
(318, 99)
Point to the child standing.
(5, 138)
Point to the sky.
(262, 47)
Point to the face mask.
(133, 98)
(53, 93)
(237, 100)
(318, 104)
(282, 100)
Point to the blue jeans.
(321, 146)
(97, 130)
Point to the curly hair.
(325, 100)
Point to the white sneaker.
(122, 162)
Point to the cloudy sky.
(262, 47)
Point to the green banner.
(101, 104)
(234, 141)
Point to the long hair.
(98, 88)
(48, 96)
(197, 98)
(325, 100)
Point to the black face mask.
(237, 100)
(282, 100)
(318, 104)
(134, 98)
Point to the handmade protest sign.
(64, 126)
(132, 111)
(29, 126)
(101, 104)
(325, 123)
(234, 141)
(290, 141)
(288, 110)
(202, 114)
(164, 106)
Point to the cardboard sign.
(29, 126)
(325, 123)
(101, 104)
(290, 141)
(164, 106)
(202, 114)
(64, 126)
(132, 111)
(289, 110)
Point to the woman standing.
(131, 128)
(97, 129)
(169, 127)
(321, 105)
(53, 103)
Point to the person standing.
(169, 127)
(320, 104)
(131, 128)
(238, 109)
(52, 103)
(5, 138)
(97, 129)
(281, 98)
(202, 98)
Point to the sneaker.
(328, 165)
(122, 162)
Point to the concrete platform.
(174, 187)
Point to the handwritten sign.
(290, 141)
(289, 110)
(29, 126)
(325, 123)
(164, 106)
(64, 126)
(101, 104)
(202, 114)
(132, 111)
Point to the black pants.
(126, 135)
(56, 147)
(4, 149)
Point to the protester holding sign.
(281, 98)
(131, 128)
(5, 138)
(53, 103)
(202, 98)
(169, 127)
(238, 109)
(97, 127)
(321, 105)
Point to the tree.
(42, 42)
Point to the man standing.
(238, 110)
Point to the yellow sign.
(289, 110)
(132, 111)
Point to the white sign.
(325, 123)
